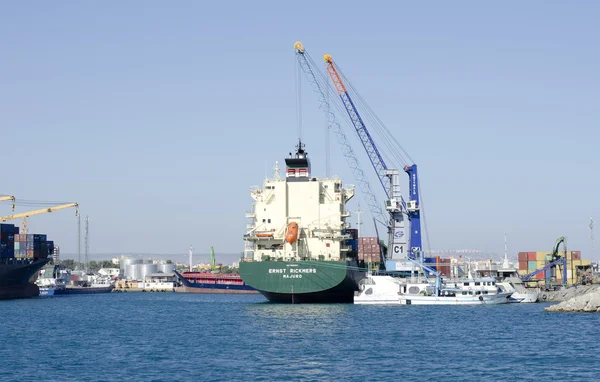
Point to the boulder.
(587, 302)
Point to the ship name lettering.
(303, 270)
(276, 270)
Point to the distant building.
(111, 272)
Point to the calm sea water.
(168, 336)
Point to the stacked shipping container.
(21, 246)
(531, 261)
(7, 240)
(369, 249)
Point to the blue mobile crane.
(395, 204)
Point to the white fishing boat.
(519, 292)
(384, 290)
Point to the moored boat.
(385, 289)
(207, 282)
(310, 254)
(21, 257)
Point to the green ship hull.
(303, 281)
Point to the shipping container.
(523, 265)
(532, 265)
(6, 228)
(522, 256)
(548, 273)
(531, 256)
(540, 276)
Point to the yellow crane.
(8, 197)
(25, 215)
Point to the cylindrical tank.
(132, 271)
(146, 269)
(166, 268)
(123, 266)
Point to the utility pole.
(505, 264)
(191, 253)
(592, 236)
(78, 240)
(87, 243)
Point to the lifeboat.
(292, 233)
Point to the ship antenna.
(191, 253)
(276, 168)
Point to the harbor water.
(195, 337)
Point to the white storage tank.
(166, 268)
(124, 263)
(146, 269)
(133, 271)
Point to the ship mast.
(191, 253)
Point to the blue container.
(429, 260)
(8, 228)
(29, 238)
(548, 273)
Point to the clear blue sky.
(157, 117)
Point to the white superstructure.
(386, 290)
(317, 206)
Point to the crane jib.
(365, 138)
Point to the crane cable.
(320, 82)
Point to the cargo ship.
(298, 247)
(56, 280)
(207, 282)
(21, 257)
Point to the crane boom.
(388, 178)
(365, 138)
(319, 85)
(8, 197)
(38, 212)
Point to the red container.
(575, 255)
(531, 256)
(540, 276)
(523, 265)
(522, 256)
